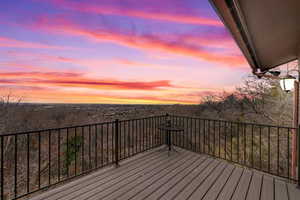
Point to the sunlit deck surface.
(183, 175)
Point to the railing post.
(117, 142)
(166, 132)
(298, 152)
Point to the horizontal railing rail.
(266, 148)
(35, 160)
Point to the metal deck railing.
(35, 160)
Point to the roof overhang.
(267, 31)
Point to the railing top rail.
(77, 126)
(55, 129)
(247, 123)
(141, 118)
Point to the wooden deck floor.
(181, 176)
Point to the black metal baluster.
(39, 167)
(82, 150)
(149, 128)
(179, 134)
(219, 139)
(225, 146)
(49, 156)
(75, 151)
(204, 137)
(260, 159)
(2, 167)
(107, 155)
(195, 135)
(191, 140)
(136, 136)
(96, 146)
(58, 154)
(238, 142)
(298, 153)
(199, 135)
(102, 146)
(67, 152)
(156, 132)
(145, 125)
(245, 145)
(288, 152)
(28, 161)
(90, 153)
(143, 133)
(112, 142)
(117, 142)
(278, 150)
(140, 129)
(152, 126)
(16, 167)
(129, 136)
(125, 140)
(122, 136)
(209, 137)
(231, 141)
(269, 149)
(252, 145)
(187, 137)
(145, 138)
(160, 132)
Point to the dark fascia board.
(234, 24)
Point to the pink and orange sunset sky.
(116, 51)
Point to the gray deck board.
(255, 187)
(155, 190)
(185, 175)
(280, 190)
(203, 188)
(267, 188)
(231, 185)
(218, 186)
(293, 191)
(170, 194)
(242, 188)
(145, 189)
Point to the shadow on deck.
(183, 175)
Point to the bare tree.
(256, 100)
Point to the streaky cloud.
(140, 41)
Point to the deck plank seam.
(210, 161)
(249, 185)
(287, 191)
(195, 167)
(205, 159)
(163, 161)
(208, 175)
(166, 181)
(209, 172)
(96, 178)
(225, 182)
(261, 186)
(86, 178)
(226, 166)
(169, 165)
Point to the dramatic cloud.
(116, 51)
(77, 80)
(100, 8)
(146, 42)
(9, 42)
